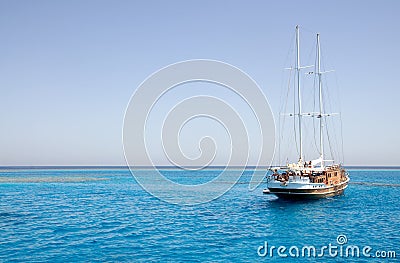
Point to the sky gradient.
(69, 68)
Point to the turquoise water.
(104, 215)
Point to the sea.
(104, 215)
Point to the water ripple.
(115, 220)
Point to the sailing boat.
(316, 178)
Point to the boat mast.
(319, 73)
(298, 92)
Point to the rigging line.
(329, 95)
(339, 104)
(329, 98)
(279, 138)
(289, 54)
(281, 127)
(289, 57)
(287, 95)
(283, 106)
(335, 140)
(341, 136)
(329, 139)
(334, 151)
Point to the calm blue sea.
(81, 215)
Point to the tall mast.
(299, 92)
(321, 139)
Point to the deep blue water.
(104, 215)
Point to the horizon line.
(173, 167)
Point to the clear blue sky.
(68, 68)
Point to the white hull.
(302, 189)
